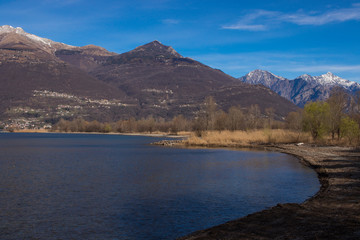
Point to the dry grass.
(31, 130)
(180, 134)
(247, 138)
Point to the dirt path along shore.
(333, 213)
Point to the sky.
(288, 38)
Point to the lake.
(84, 186)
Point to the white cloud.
(339, 15)
(324, 68)
(261, 20)
(249, 21)
(170, 21)
(248, 27)
(289, 65)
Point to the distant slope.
(46, 80)
(28, 65)
(162, 79)
(302, 89)
(155, 66)
(86, 58)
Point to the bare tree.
(130, 125)
(253, 116)
(198, 126)
(178, 123)
(220, 120)
(270, 113)
(94, 126)
(337, 104)
(62, 125)
(294, 120)
(209, 112)
(235, 120)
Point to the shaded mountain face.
(157, 67)
(44, 79)
(161, 78)
(302, 89)
(35, 82)
(86, 58)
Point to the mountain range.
(303, 88)
(43, 80)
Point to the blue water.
(64, 186)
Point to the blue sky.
(288, 38)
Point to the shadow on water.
(67, 186)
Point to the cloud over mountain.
(262, 20)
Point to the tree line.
(208, 118)
(337, 118)
(131, 125)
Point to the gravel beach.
(333, 213)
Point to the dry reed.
(247, 138)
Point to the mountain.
(303, 88)
(44, 81)
(263, 77)
(161, 78)
(330, 80)
(35, 82)
(157, 72)
(17, 39)
(166, 83)
(86, 58)
(280, 85)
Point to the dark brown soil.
(333, 213)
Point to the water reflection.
(58, 186)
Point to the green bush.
(349, 129)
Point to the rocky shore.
(333, 213)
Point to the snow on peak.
(331, 79)
(328, 79)
(9, 29)
(262, 77)
(18, 30)
(329, 74)
(306, 77)
(258, 73)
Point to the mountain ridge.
(303, 88)
(43, 43)
(53, 80)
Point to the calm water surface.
(62, 186)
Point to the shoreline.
(154, 134)
(332, 213)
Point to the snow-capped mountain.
(19, 30)
(153, 79)
(12, 37)
(303, 88)
(329, 79)
(262, 77)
